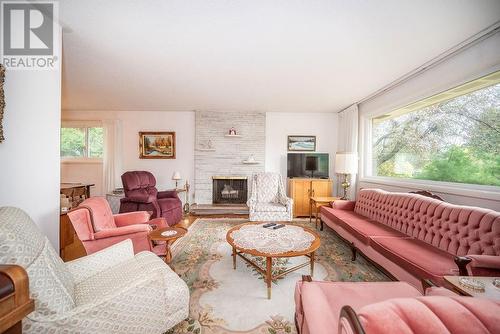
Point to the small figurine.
(232, 132)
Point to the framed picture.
(157, 145)
(302, 143)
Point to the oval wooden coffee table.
(290, 241)
(157, 235)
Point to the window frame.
(452, 188)
(86, 126)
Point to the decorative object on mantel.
(250, 160)
(208, 146)
(302, 143)
(346, 163)
(156, 145)
(2, 101)
(232, 133)
(176, 177)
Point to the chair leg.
(353, 251)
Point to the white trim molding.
(450, 188)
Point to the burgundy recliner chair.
(142, 195)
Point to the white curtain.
(348, 141)
(112, 164)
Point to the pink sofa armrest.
(81, 221)
(343, 205)
(485, 261)
(124, 230)
(131, 218)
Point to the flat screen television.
(314, 165)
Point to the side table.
(318, 202)
(156, 235)
(490, 291)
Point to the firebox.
(229, 189)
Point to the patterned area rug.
(224, 300)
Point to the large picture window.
(81, 142)
(451, 137)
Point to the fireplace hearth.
(229, 190)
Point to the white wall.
(280, 125)
(132, 123)
(82, 172)
(29, 156)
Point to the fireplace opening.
(229, 190)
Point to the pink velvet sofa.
(141, 195)
(389, 307)
(414, 237)
(97, 227)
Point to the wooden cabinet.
(300, 190)
(70, 247)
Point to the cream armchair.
(268, 201)
(110, 291)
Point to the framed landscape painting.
(302, 143)
(157, 145)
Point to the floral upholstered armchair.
(268, 201)
(110, 291)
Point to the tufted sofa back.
(459, 230)
(22, 243)
(139, 185)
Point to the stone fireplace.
(229, 190)
(218, 154)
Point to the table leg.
(310, 211)
(317, 214)
(269, 272)
(312, 263)
(168, 253)
(234, 258)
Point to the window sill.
(81, 161)
(450, 188)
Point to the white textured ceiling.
(266, 55)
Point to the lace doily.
(265, 240)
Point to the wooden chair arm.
(16, 304)
(350, 316)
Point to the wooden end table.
(156, 235)
(318, 202)
(490, 291)
(267, 272)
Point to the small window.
(82, 142)
(451, 137)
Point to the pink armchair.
(141, 194)
(98, 228)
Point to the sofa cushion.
(417, 257)
(438, 315)
(360, 227)
(100, 212)
(321, 302)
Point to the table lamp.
(176, 177)
(346, 163)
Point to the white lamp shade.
(176, 176)
(346, 163)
